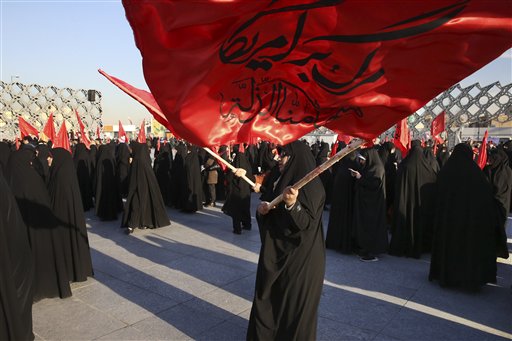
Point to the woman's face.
(282, 161)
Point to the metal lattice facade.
(486, 105)
(35, 103)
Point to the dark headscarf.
(500, 175)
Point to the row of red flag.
(61, 138)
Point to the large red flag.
(438, 125)
(142, 132)
(121, 135)
(221, 71)
(402, 138)
(482, 152)
(26, 129)
(83, 136)
(62, 139)
(49, 129)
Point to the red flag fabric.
(49, 129)
(17, 143)
(334, 148)
(26, 129)
(143, 97)
(438, 124)
(158, 145)
(142, 132)
(83, 136)
(221, 71)
(482, 152)
(344, 138)
(121, 135)
(62, 139)
(98, 136)
(402, 138)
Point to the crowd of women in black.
(440, 204)
(379, 203)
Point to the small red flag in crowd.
(438, 125)
(98, 136)
(49, 129)
(141, 138)
(482, 152)
(62, 139)
(121, 135)
(26, 129)
(403, 137)
(83, 136)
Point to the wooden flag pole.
(215, 155)
(353, 145)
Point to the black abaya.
(414, 190)
(144, 206)
(108, 200)
(16, 270)
(193, 193)
(81, 160)
(468, 224)
(291, 264)
(51, 278)
(340, 232)
(68, 209)
(163, 171)
(370, 206)
(123, 168)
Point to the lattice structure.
(483, 105)
(35, 103)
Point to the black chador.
(178, 177)
(370, 206)
(51, 277)
(414, 190)
(193, 193)
(468, 224)
(5, 152)
(388, 156)
(163, 170)
(238, 201)
(40, 164)
(123, 168)
(500, 175)
(340, 232)
(16, 270)
(82, 162)
(68, 209)
(291, 264)
(326, 176)
(144, 206)
(108, 200)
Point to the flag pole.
(215, 155)
(353, 145)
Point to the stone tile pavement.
(195, 280)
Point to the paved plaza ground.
(195, 280)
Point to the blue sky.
(63, 43)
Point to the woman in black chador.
(291, 265)
(370, 206)
(67, 208)
(238, 201)
(192, 200)
(414, 190)
(108, 200)
(468, 225)
(123, 168)
(163, 170)
(51, 276)
(82, 163)
(340, 233)
(16, 270)
(144, 206)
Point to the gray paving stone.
(126, 302)
(71, 319)
(195, 280)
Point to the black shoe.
(368, 259)
(129, 230)
(237, 231)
